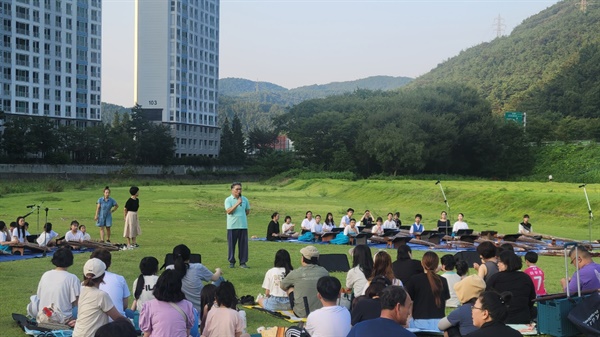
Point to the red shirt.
(537, 276)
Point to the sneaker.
(243, 265)
(136, 245)
(130, 247)
(232, 265)
(125, 247)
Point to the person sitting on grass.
(308, 222)
(143, 286)
(5, 238)
(382, 266)
(489, 313)
(47, 238)
(301, 283)
(349, 231)
(114, 284)
(459, 322)
(405, 266)
(362, 267)
(207, 300)
(535, 273)
(331, 319)
(589, 271)
(487, 253)
(275, 298)
(74, 234)
(452, 277)
(396, 306)
(86, 235)
(389, 223)
(273, 228)
(317, 226)
(368, 306)
(378, 228)
(462, 269)
(224, 319)
(120, 327)
(288, 227)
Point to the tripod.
(591, 215)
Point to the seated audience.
(405, 267)
(462, 268)
(535, 273)
(510, 278)
(273, 228)
(143, 286)
(169, 313)
(114, 285)
(487, 253)
(430, 292)
(589, 271)
(452, 277)
(193, 274)
(459, 322)
(489, 313)
(331, 319)
(304, 282)
(224, 319)
(395, 309)
(382, 266)
(120, 327)
(48, 236)
(275, 298)
(58, 289)
(207, 300)
(94, 306)
(362, 267)
(368, 306)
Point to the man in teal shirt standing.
(237, 208)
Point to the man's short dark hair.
(63, 257)
(102, 254)
(133, 190)
(531, 257)
(121, 327)
(392, 295)
(235, 183)
(418, 216)
(448, 262)
(350, 210)
(329, 287)
(486, 249)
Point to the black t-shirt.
(364, 309)
(132, 205)
(523, 292)
(367, 222)
(491, 329)
(272, 228)
(405, 269)
(423, 300)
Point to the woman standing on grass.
(132, 224)
(104, 209)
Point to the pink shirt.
(162, 319)
(222, 322)
(537, 276)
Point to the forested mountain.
(256, 103)
(548, 66)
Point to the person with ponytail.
(20, 233)
(143, 286)
(94, 305)
(429, 292)
(489, 313)
(192, 275)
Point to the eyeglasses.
(573, 260)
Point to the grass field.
(194, 215)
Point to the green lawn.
(194, 215)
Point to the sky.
(295, 43)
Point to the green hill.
(547, 65)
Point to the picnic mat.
(287, 315)
(29, 254)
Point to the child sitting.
(452, 277)
(535, 273)
(224, 319)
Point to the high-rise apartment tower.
(177, 70)
(50, 57)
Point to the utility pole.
(500, 26)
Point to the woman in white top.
(308, 221)
(276, 298)
(460, 224)
(20, 233)
(362, 267)
(390, 223)
(47, 236)
(288, 227)
(143, 286)
(378, 228)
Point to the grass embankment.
(194, 215)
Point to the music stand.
(511, 237)
(361, 238)
(399, 241)
(468, 238)
(462, 232)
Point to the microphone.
(30, 206)
(580, 186)
(437, 182)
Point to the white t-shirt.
(58, 287)
(91, 313)
(272, 281)
(327, 228)
(4, 237)
(331, 321)
(146, 295)
(522, 230)
(44, 238)
(316, 228)
(452, 278)
(348, 231)
(21, 239)
(116, 287)
(356, 280)
(377, 230)
(86, 236)
(74, 237)
(287, 227)
(459, 225)
(307, 224)
(389, 224)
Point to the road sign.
(514, 116)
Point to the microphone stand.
(591, 215)
(45, 233)
(445, 202)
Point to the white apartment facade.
(177, 70)
(50, 59)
